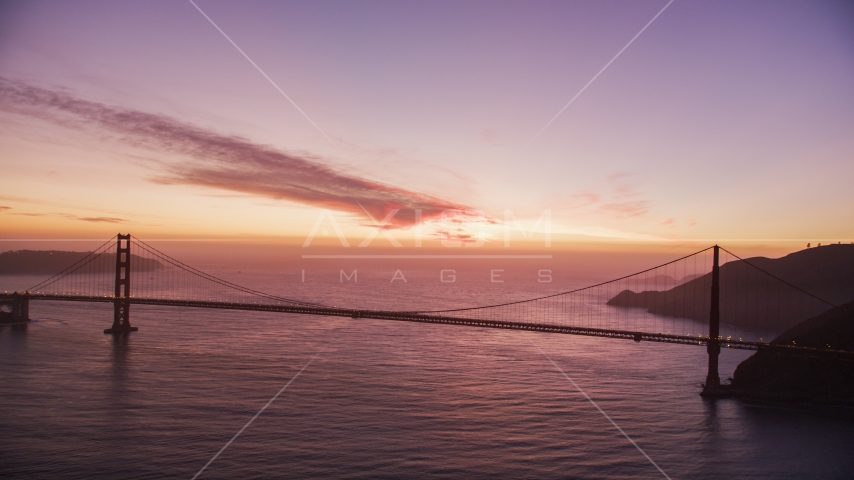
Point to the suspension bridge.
(711, 298)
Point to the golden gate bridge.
(710, 298)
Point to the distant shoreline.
(50, 262)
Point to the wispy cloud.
(581, 200)
(621, 198)
(625, 199)
(69, 216)
(13, 199)
(604, 232)
(95, 215)
(102, 219)
(629, 208)
(227, 162)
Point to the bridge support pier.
(20, 309)
(121, 298)
(713, 388)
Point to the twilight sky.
(723, 120)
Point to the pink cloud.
(226, 162)
(634, 208)
(102, 219)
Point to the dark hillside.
(754, 300)
(794, 377)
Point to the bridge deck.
(444, 320)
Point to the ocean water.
(380, 399)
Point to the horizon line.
(425, 257)
(604, 239)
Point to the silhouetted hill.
(752, 299)
(797, 377)
(49, 262)
(666, 281)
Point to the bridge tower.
(121, 298)
(713, 381)
(21, 307)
